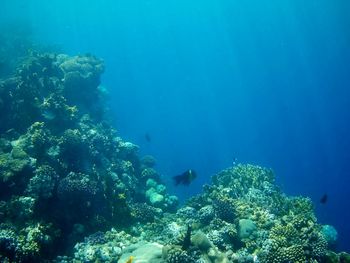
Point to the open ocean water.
(203, 84)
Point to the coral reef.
(64, 172)
(244, 217)
(330, 234)
(103, 247)
(254, 231)
(73, 191)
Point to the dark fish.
(186, 178)
(148, 137)
(324, 199)
(187, 240)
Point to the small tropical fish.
(324, 199)
(131, 258)
(186, 178)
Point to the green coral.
(247, 229)
(36, 140)
(224, 208)
(177, 255)
(332, 257)
(23, 245)
(157, 196)
(293, 253)
(262, 216)
(242, 177)
(57, 112)
(12, 164)
(42, 184)
(288, 242)
(21, 208)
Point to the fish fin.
(177, 179)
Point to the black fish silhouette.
(186, 178)
(148, 137)
(324, 199)
(187, 240)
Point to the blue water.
(266, 82)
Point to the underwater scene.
(173, 131)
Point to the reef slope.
(72, 190)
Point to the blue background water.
(265, 82)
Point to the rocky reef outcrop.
(64, 171)
(241, 217)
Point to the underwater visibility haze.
(245, 104)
